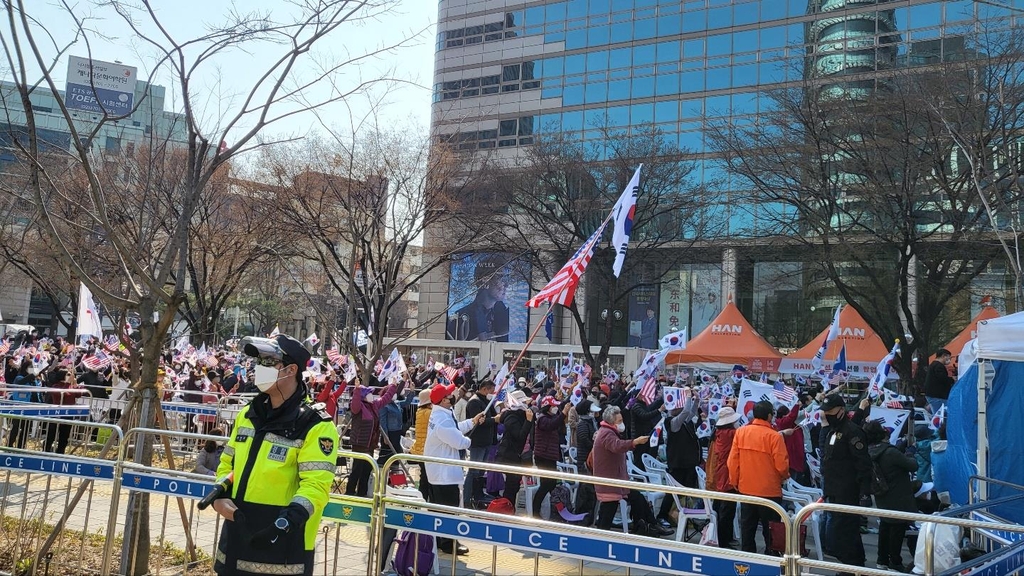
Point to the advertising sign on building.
(100, 87)
(486, 297)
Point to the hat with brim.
(518, 396)
(727, 416)
(277, 348)
(424, 397)
(832, 402)
(440, 392)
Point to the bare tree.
(362, 204)
(980, 102)
(144, 242)
(234, 235)
(547, 203)
(874, 190)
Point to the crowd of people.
(453, 413)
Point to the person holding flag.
(517, 419)
(547, 451)
(482, 437)
(364, 432)
(643, 416)
(682, 448)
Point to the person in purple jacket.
(364, 432)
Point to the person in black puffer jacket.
(682, 450)
(896, 468)
(518, 423)
(643, 418)
(586, 428)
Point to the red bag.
(777, 532)
(501, 506)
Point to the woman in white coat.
(445, 438)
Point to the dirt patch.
(78, 554)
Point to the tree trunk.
(136, 547)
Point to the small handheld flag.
(833, 333)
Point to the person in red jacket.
(793, 436)
(329, 395)
(717, 468)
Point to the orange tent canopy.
(864, 348)
(970, 332)
(727, 341)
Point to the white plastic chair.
(653, 465)
(572, 455)
(689, 514)
(799, 500)
(569, 469)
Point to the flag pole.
(512, 368)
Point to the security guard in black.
(846, 473)
(282, 454)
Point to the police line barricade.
(357, 511)
(180, 526)
(928, 523)
(566, 540)
(43, 404)
(41, 508)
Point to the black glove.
(266, 537)
(296, 516)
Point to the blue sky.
(219, 87)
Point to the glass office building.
(508, 72)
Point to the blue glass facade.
(508, 71)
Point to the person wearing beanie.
(422, 420)
(717, 468)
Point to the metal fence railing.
(62, 513)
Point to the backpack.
(879, 485)
(560, 497)
(414, 550)
(501, 506)
(586, 501)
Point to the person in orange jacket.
(758, 465)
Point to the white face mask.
(620, 427)
(265, 377)
(370, 398)
(490, 397)
(553, 410)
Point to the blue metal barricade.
(569, 541)
(40, 500)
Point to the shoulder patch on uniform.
(327, 445)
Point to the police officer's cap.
(833, 401)
(277, 348)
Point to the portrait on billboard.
(487, 295)
(643, 317)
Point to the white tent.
(998, 339)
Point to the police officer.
(845, 450)
(281, 453)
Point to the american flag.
(333, 356)
(562, 287)
(449, 373)
(5, 346)
(97, 361)
(648, 391)
(783, 393)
